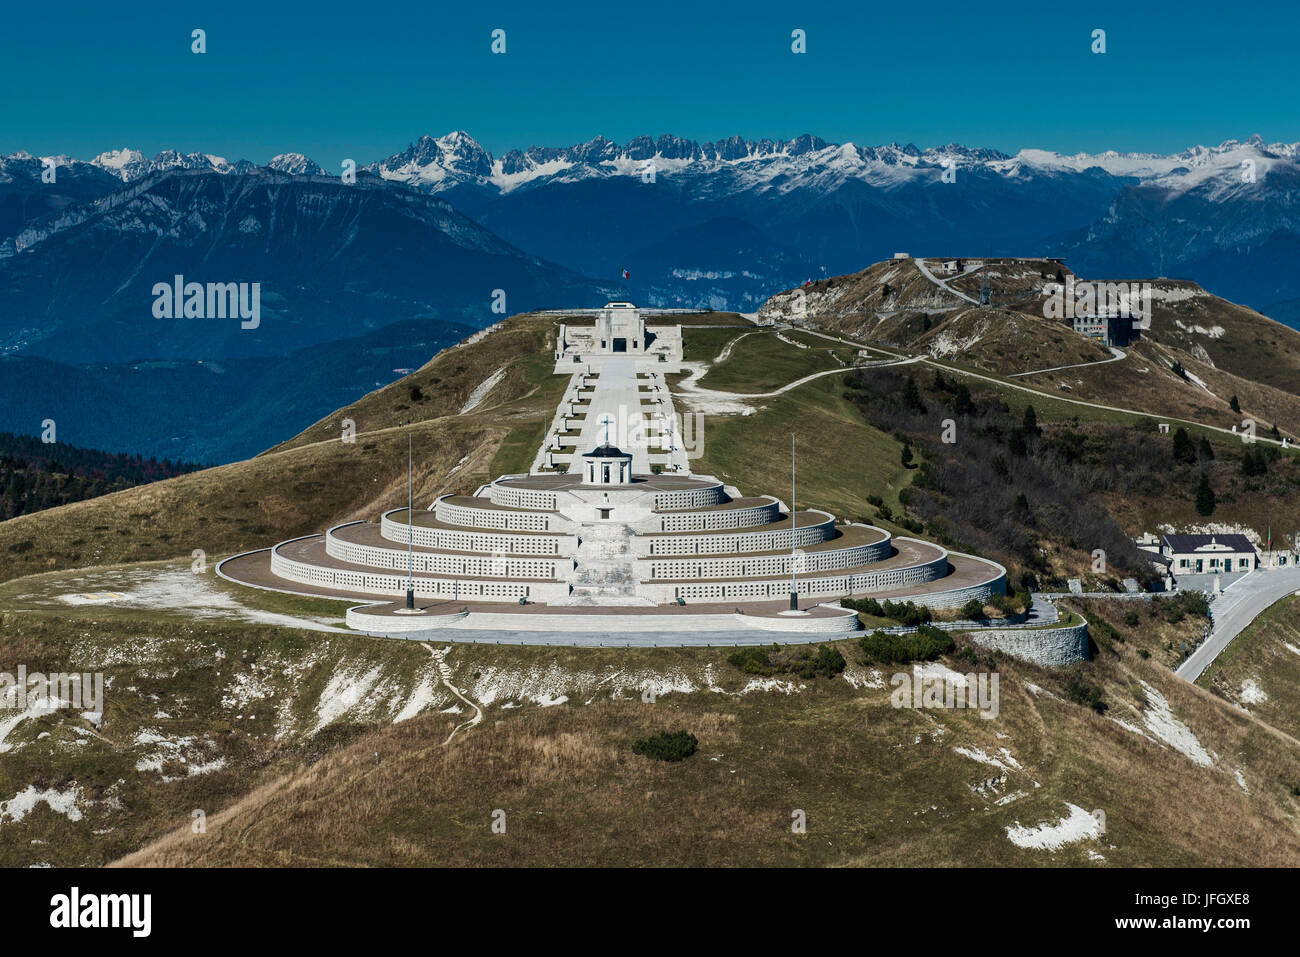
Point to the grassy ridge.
(879, 785)
(841, 459)
(1260, 670)
(761, 362)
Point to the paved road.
(1240, 604)
(1116, 355)
(925, 271)
(955, 370)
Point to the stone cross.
(606, 420)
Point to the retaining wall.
(1043, 646)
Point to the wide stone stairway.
(604, 572)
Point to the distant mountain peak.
(295, 164)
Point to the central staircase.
(604, 572)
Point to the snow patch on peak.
(295, 164)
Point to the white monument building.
(620, 330)
(612, 514)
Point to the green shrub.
(1104, 631)
(667, 745)
(903, 612)
(926, 644)
(1081, 691)
(824, 661)
(1177, 607)
(973, 609)
(906, 613)
(868, 606)
(752, 661)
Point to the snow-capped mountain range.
(428, 235)
(439, 163)
(726, 223)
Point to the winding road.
(1241, 603)
(1116, 355)
(925, 271)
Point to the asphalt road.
(1240, 604)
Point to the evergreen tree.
(1184, 450)
(1234, 405)
(1254, 462)
(912, 395)
(1205, 500)
(962, 403)
(1031, 421)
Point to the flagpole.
(794, 590)
(410, 523)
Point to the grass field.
(1260, 670)
(842, 460)
(760, 362)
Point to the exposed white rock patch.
(164, 750)
(344, 691)
(426, 694)
(1252, 693)
(935, 670)
(857, 678)
(1078, 825)
(25, 801)
(770, 684)
(1213, 332)
(481, 390)
(1160, 721)
(244, 688)
(1005, 763)
(1129, 726)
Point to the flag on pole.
(626, 274)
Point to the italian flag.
(626, 274)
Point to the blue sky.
(363, 80)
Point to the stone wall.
(1042, 646)
(731, 542)
(496, 565)
(469, 540)
(517, 520)
(377, 583)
